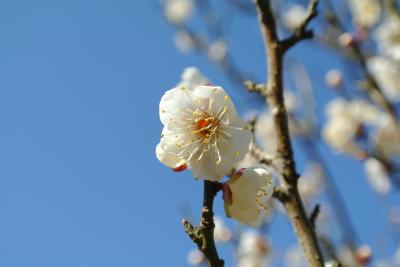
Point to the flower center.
(206, 126)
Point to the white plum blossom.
(294, 16)
(248, 196)
(252, 250)
(178, 11)
(387, 36)
(366, 13)
(377, 176)
(387, 74)
(202, 130)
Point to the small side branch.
(203, 235)
(254, 87)
(314, 215)
(302, 33)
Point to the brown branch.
(292, 202)
(203, 236)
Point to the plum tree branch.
(203, 235)
(275, 50)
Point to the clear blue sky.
(80, 83)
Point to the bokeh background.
(80, 84)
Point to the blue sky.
(80, 83)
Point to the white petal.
(174, 103)
(219, 100)
(168, 159)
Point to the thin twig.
(302, 33)
(203, 236)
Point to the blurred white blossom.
(252, 250)
(249, 192)
(387, 36)
(178, 11)
(221, 232)
(346, 39)
(192, 77)
(341, 127)
(396, 257)
(363, 254)
(333, 78)
(294, 257)
(294, 16)
(195, 257)
(217, 50)
(264, 128)
(202, 129)
(312, 181)
(387, 74)
(377, 175)
(184, 41)
(386, 138)
(366, 13)
(344, 120)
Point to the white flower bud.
(217, 50)
(363, 254)
(221, 232)
(191, 77)
(195, 257)
(250, 191)
(377, 176)
(294, 16)
(178, 11)
(184, 42)
(333, 78)
(366, 13)
(346, 39)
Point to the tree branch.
(203, 236)
(293, 204)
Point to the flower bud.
(346, 40)
(250, 189)
(333, 78)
